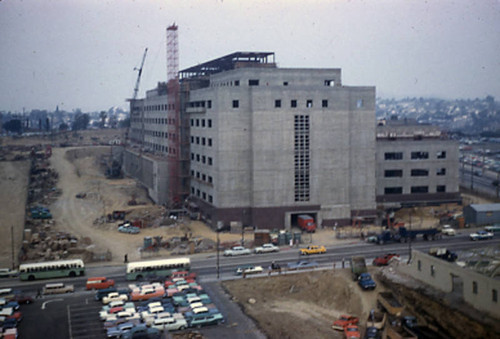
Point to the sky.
(81, 54)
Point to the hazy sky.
(82, 53)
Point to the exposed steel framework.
(172, 52)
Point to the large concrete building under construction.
(242, 140)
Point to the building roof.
(486, 207)
(229, 62)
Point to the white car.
(481, 235)
(249, 269)
(447, 230)
(236, 250)
(114, 296)
(267, 248)
(169, 324)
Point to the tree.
(124, 123)
(81, 121)
(14, 126)
(63, 127)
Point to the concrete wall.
(449, 277)
(253, 145)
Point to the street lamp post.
(409, 240)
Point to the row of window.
(417, 172)
(419, 155)
(201, 141)
(201, 158)
(413, 189)
(160, 134)
(157, 121)
(162, 107)
(302, 157)
(201, 123)
(256, 82)
(160, 148)
(202, 195)
(202, 176)
(494, 292)
(293, 103)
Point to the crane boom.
(136, 88)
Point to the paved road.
(76, 315)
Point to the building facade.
(267, 144)
(415, 164)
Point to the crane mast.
(136, 88)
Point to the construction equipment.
(136, 88)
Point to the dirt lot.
(302, 305)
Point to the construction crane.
(136, 89)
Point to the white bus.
(156, 268)
(52, 269)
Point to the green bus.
(156, 268)
(52, 269)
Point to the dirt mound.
(301, 305)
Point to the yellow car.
(313, 249)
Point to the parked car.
(313, 249)
(266, 248)
(169, 324)
(104, 292)
(481, 235)
(352, 332)
(58, 288)
(142, 331)
(249, 269)
(23, 299)
(118, 331)
(199, 320)
(114, 296)
(7, 273)
(383, 260)
(129, 229)
(344, 321)
(303, 264)
(236, 250)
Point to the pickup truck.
(366, 282)
(236, 250)
(358, 266)
(384, 259)
(313, 249)
(389, 303)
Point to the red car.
(352, 332)
(344, 321)
(384, 259)
(23, 299)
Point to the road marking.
(49, 301)
(69, 322)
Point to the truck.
(306, 223)
(402, 234)
(388, 302)
(358, 266)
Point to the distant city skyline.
(82, 54)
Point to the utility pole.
(12, 246)
(409, 240)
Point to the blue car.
(199, 320)
(118, 331)
(366, 282)
(303, 264)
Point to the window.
(440, 188)
(433, 271)
(293, 103)
(192, 190)
(359, 103)
(253, 82)
(309, 103)
(192, 173)
(236, 82)
(419, 264)
(203, 141)
(393, 173)
(474, 287)
(204, 177)
(210, 161)
(204, 195)
(197, 122)
(236, 103)
(210, 199)
(393, 190)
(441, 171)
(285, 83)
(198, 175)
(210, 179)
(494, 295)
(302, 158)
(192, 140)
(202, 122)
(420, 155)
(198, 193)
(197, 157)
(324, 103)
(192, 156)
(419, 172)
(209, 142)
(192, 122)
(209, 103)
(393, 156)
(419, 189)
(441, 155)
(197, 140)
(277, 103)
(209, 123)
(203, 159)
(330, 83)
